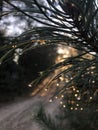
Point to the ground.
(19, 115)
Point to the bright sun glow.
(60, 51)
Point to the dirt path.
(19, 115)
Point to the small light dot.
(78, 98)
(14, 46)
(46, 89)
(77, 105)
(81, 109)
(76, 95)
(71, 108)
(92, 72)
(61, 78)
(67, 80)
(62, 96)
(29, 85)
(61, 102)
(57, 84)
(64, 106)
(93, 81)
(88, 69)
(76, 108)
(77, 91)
(56, 97)
(91, 98)
(50, 100)
(82, 75)
(74, 89)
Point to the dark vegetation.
(14, 78)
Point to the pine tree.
(72, 23)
